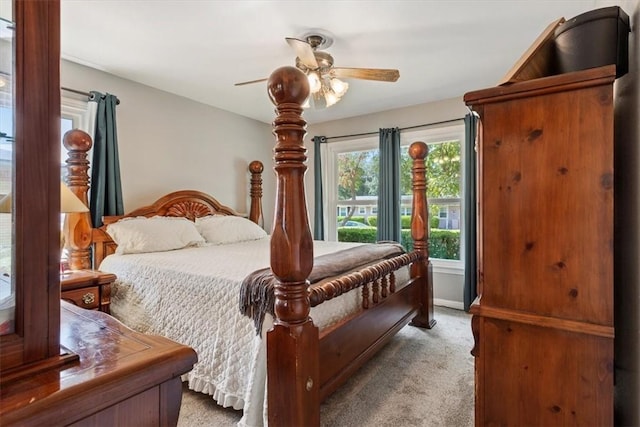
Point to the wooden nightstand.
(89, 289)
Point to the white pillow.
(155, 234)
(220, 229)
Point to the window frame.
(81, 116)
(330, 177)
(77, 111)
(434, 135)
(430, 135)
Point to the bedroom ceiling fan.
(324, 79)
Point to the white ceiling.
(199, 48)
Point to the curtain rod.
(405, 128)
(79, 92)
(88, 95)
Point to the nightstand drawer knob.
(88, 298)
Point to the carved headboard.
(88, 246)
(188, 204)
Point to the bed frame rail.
(380, 276)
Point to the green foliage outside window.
(373, 221)
(356, 234)
(354, 218)
(358, 177)
(444, 244)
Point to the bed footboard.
(348, 345)
(303, 365)
(345, 347)
(377, 279)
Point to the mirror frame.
(36, 196)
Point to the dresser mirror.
(7, 131)
(30, 173)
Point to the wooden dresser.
(89, 289)
(120, 377)
(543, 320)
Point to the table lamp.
(69, 202)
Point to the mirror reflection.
(7, 287)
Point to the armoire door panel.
(547, 199)
(547, 377)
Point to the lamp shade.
(69, 202)
(5, 203)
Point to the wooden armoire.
(543, 319)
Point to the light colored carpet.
(420, 378)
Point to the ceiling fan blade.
(304, 52)
(250, 82)
(380, 74)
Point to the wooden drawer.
(85, 297)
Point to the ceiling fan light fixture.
(330, 97)
(339, 87)
(329, 91)
(314, 82)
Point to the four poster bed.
(291, 347)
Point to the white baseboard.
(448, 303)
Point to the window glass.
(357, 192)
(352, 182)
(444, 166)
(66, 124)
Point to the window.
(351, 183)
(352, 179)
(75, 115)
(444, 188)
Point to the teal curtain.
(470, 199)
(318, 211)
(106, 187)
(389, 186)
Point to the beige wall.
(168, 143)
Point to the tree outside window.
(357, 187)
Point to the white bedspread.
(191, 296)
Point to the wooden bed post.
(77, 225)
(420, 234)
(293, 379)
(255, 213)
